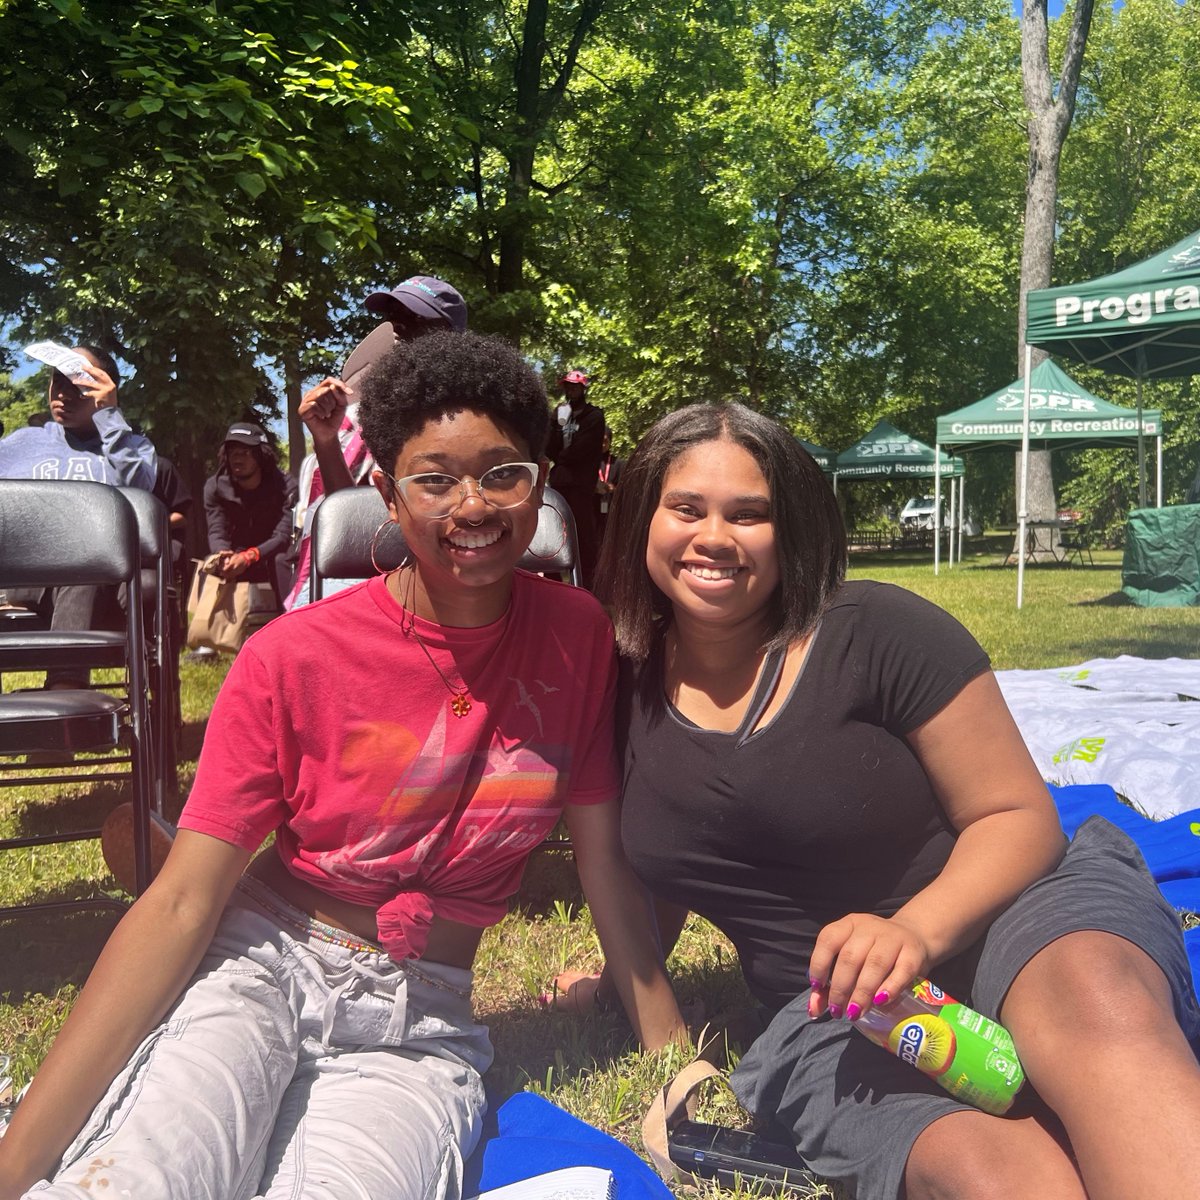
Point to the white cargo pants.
(291, 1067)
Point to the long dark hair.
(810, 540)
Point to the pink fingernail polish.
(835, 1010)
(881, 997)
(544, 999)
(853, 1011)
(815, 984)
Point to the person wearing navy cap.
(421, 304)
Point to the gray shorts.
(855, 1111)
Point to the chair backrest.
(56, 532)
(153, 523)
(352, 525)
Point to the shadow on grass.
(551, 1048)
(1112, 600)
(42, 952)
(65, 811)
(191, 739)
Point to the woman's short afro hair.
(440, 373)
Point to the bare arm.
(1008, 837)
(625, 922)
(140, 973)
(322, 410)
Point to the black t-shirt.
(821, 812)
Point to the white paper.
(72, 365)
(569, 1183)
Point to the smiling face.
(711, 544)
(465, 560)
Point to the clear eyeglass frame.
(435, 494)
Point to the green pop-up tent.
(822, 457)
(1062, 415)
(887, 453)
(1143, 322)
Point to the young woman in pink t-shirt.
(297, 1021)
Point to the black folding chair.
(162, 649)
(55, 534)
(26, 648)
(349, 527)
(1076, 541)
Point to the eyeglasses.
(436, 495)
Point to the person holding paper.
(87, 436)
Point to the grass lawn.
(1071, 614)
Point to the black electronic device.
(715, 1152)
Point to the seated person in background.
(248, 505)
(299, 1023)
(86, 437)
(420, 305)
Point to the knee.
(970, 1156)
(1091, 989)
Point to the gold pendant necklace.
(460, 703)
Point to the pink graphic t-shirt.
(333, 730)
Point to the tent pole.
(1158, 470)
(962, 511)
(1023, 491)
(1141, 444)
(937, 505)
(953, 519)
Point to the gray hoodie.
(113, 455)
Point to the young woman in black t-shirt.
(829, 773)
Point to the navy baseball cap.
(427, 298)
(248, 434)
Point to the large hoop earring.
(375, 547)
(561, 543)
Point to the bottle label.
(930, 993)
(972, 1057)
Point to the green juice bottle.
(971, 1056)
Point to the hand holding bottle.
(863, 960)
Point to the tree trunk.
(535, 108)
(511, 273)
(297, 447)
(1049, 124)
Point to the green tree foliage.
(21, 399)
(810, 205)
(194, 185)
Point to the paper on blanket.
(72, 365)
(1130, 722)
(569, 1183)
